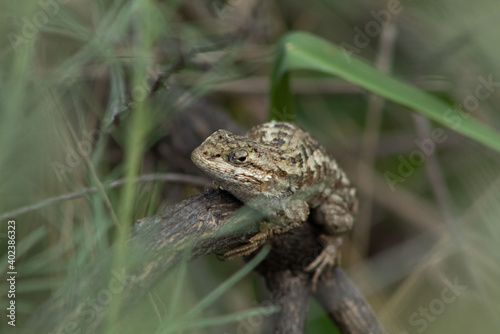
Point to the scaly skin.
(282, 171)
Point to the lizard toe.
(254, 243)
(328, 258)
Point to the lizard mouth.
(199, 158)
(196, 157)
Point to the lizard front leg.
(292, 216)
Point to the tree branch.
(198, 226)
(290, 286)
(345, 306)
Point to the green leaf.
(303, 51)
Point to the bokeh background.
(76, 112)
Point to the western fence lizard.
(282, 171)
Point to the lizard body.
(269, 169)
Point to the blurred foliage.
(429, 196)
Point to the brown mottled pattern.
(276, 160)
(305, 156)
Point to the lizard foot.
(254, 243)
(328, 258)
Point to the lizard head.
(244, 167)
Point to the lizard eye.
(238, 156)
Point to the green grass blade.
(225, 319)
(208, 300)
(23, 246)
(303, 51)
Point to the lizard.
(273, 169)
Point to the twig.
(345, 305)
(169, 177)
(371, 139)
(414, 210)
(436, 179)
(291, 293)
(316, 86)
(291, 285)
(286, 279)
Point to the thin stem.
(168, 177)
(370, 142)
